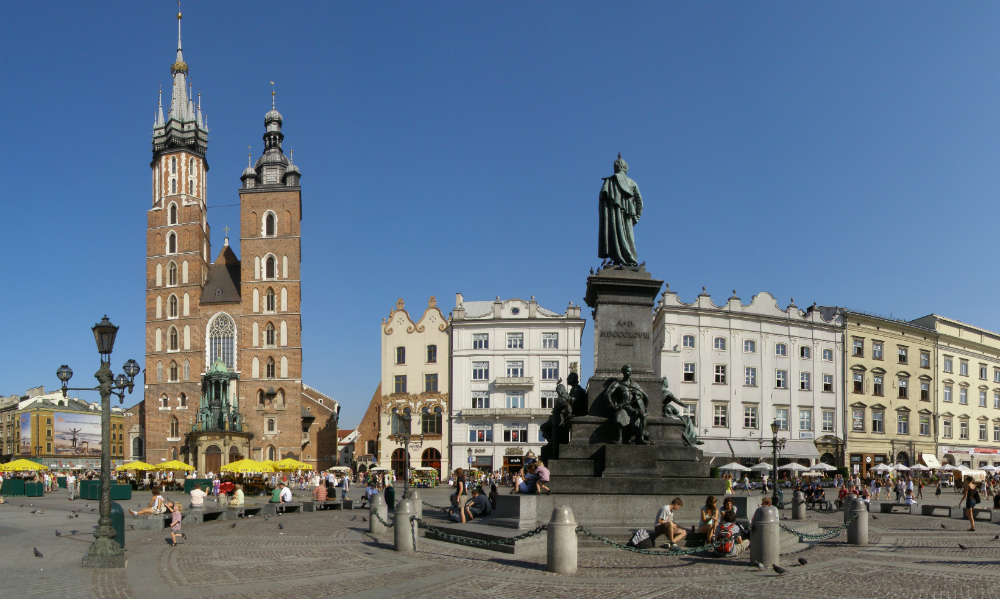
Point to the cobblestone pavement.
(330, 554)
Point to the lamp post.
(775, 444)
(405, 414)
(105, 552)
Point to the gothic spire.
(185, 123)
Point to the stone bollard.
(377, 509)
(562, 542)
(848, 502)
(857, 530)
(418, 507)
(406, 530)
(764, 544)
(798, 506)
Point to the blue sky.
(842, 153)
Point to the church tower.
(177, 251)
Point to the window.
(515, 341)
(859, 382)
(827, 354)
(858, 347)
(947, 364)
(858, 419)
(781, 416)
(432, 353)
(963, 367)
(689, 372)
(691, 411)
(963, 430)
(481, 400)
(431, 382)
(550, 341)
(688, 341)
(780, 350)
(719, 343)
(750, 376)
(260, 398)
(996, 432)
(400, 423)
(720, 414)
(548, 399)
(925, 425)
(827, 383)
(430, 420)
(946, 427)
(172, 307)
(182, 401)
(515, 368)
(270, 267)
(269, 334)
(925, 391)
(172, 371)
(749, 346)
(982, 398)
(269, 368)
(172, 273)
(173, 165)
(171, 243)
(480, 341)
(270, 225)
(480, 370)
(269, 300)
(164, 402)
(550, 369)
(173, 186)
(903, 353)
(925, 359)
(828, 416)
(963, 395)
(804, 352)
(480, 434)
(222, 340)
(903, 423)
(805, 419)
(750, 416)
(878, 420)
(877, 350)
(947, 393)
(805, 380)
(173, 339)
(175, 429)
(399, 384)
(515, 400)
(400, 355)
(996, 399)
(904, 387)
(270, 426)
(515, 433)
(996, 375)
(720, 373)
(982, 371)
(982, 431)
(781, 379)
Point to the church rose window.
(222, 340)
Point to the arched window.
(399, 463)
(269, 370)
(172, 306)
(270, 267)
(164, 402)
(222, 340)
(431, 458)
(182, 401)
(136, 447)
(171, 243)
(172, 214)
(187, 370)
(270, 427)
(173, 453)
(270, 225)
(175, 428)
(173, 342)
(190, 165)
(172, 273)
(260, 398)
(269, 302)
(173, 186)
(173, 370)
(173, 164)
(430, 420)
(269, 334)
(279, 399)
(190, 186)
(159, 372)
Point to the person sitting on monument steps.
(709, 518)
(665, 523)
(477, 506)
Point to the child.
(175, 522)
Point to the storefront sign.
(514, 451)
(480, 450)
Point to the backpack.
(640, 539)
(725, 538)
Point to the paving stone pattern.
(330, 554)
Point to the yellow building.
(891, 373)
(968, 375)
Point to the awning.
(716, 448)
(931, 461)
(748, 449)
(799, 449)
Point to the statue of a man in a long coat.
(620, 207)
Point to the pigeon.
(778, 570)
(233, 526)
(962, 546)
(37, 553)
(760, 566)
(874, 518)
(996, 537)
(943, 527)
(58, 533)
(281, 526)
(34, 511)
(69, 516)
(364, 519)
(266, 517)
(803, 561)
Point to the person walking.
(970, 497)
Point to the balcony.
(505, 412)
(514, 382)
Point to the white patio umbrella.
(761, 467)
(793, 467)
(989, 469)
(950, 468)
(823, 467)
(919, 468)
(900, 467)
(882, 468)
(733, 466)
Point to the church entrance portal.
(213, 459)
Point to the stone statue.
(578, 395)
(670, 411)
(628, 408)
(556, 429)
(619, 209)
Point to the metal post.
(562, 542)
(764, 543)
(774, 472)
(376, 509)
(405, 530)
(105, 552)
(798, 506)
(418, 507)
(857, 530)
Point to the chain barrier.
(470, 541)
(675, 552)
(383, 521)
(429, 505)
(829, 534)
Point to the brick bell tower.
(177, 251)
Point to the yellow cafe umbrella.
(136, 465)
(23, 464)
(246, 466)
(291, 464)
(173, 465)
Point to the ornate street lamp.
(403, 438)
(105, 552)
(775, 444)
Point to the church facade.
(223, 377)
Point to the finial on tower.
(273, 93)
(226, 241)
(249, 156)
